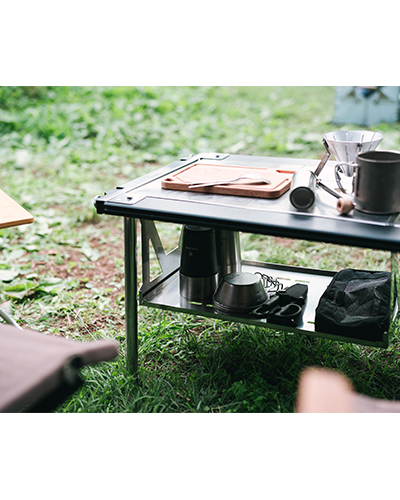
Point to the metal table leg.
(8, 319)
(395, 293)
(131, 301)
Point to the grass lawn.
(63, 274)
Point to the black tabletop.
(144, 198)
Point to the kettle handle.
(338, 170)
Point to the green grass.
(61, 146)
(194, 365)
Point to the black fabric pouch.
(355, 304)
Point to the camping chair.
(38, 371)
(326, 391)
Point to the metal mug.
(376, 182)
(228, 252)
(348, 169)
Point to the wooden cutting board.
(200, 172)
(12, 214)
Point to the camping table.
(145, 199)
(11, 214)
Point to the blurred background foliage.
(75, 142)
(151, 123)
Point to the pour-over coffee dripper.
(346, 144)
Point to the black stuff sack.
(356, 304)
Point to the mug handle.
(338, 170)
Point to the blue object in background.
(366, 105)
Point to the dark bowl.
(239, 293)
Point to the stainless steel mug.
(228, 252)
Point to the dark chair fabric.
(38, 371)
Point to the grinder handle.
(344, 205)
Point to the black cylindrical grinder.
(198, 278)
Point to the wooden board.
(12, 214)
(280, 180)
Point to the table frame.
(380, 233)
